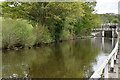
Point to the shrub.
(65, 35)
(17, 32)
(42, 34)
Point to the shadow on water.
(71, 59)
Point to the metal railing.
(105, 29)
(103, 69)
(110, 24)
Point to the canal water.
(69, 59)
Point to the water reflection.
(70, 59)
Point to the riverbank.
(84, 37)
(17, 47)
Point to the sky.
(105, 6)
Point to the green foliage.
(51, 21)
(42, 34)
(65, 35)
(8, 39)
(43, 12)
(88, 21)
(109, 18)
(17, 32)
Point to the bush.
(65, 35)
(42, 34)
(17, 32)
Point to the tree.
(88, 21)
(61, 20)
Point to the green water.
(69, 59)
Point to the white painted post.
(102, 42)
(112, 61)
(103, 33)
(106, 71)
(115, 57)
(113, 32)
(112, 64)
(112, 42)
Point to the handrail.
(98, 72)
(105, 29)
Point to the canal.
(69, 59)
